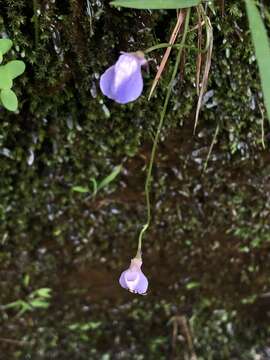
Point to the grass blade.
(80, 189)
(108, 179)
(95, 186)
(262, 49)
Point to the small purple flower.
(123, 81)
(133, 279)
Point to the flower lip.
(123, 82)
(133, 279)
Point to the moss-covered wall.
(208, 246)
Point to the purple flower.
(123, 81)
(133, 279)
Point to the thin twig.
(211, 147)
(262, 126)
(199, 56)
(186, 330)
(206, 70)
(183, 323)
(89, 12)
(196, 26)
(174, 34)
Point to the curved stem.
(161, 121)
(166, 45)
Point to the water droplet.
(93, 90)
(31, 157)
(69, 122)
(106, 111)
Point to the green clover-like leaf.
(15, 68)
(9, 100)
(5, 79)
(5, 45)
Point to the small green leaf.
(43, 293)
(5, 79)
(110, 177)
(39, 304)
(5, 45)
(15, 304)
(15, 68)
(156, 4)
(80, 189)
(192, 285)
(95, 186)
(262, 49)
(9, 100)
(74, 326)
(26, 280)
(93, 325)
(249, 300)
(57, 232)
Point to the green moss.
(209, 228)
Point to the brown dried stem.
(180, 19)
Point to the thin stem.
(161, 121)
(211, 147)
(177, 46)
(262, 126)
(166, 45)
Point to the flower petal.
(142, 285)
(129, 89)
(106, 82)
(132, 279)
(122, 280)
(123, 81)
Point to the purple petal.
(129, 279)
(130, 89)
(134, 281)
(142, 284)
(122, 280)
(106, 82)
(123, 81)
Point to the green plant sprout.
(38, 299)
(8, 73)
(97, 186)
